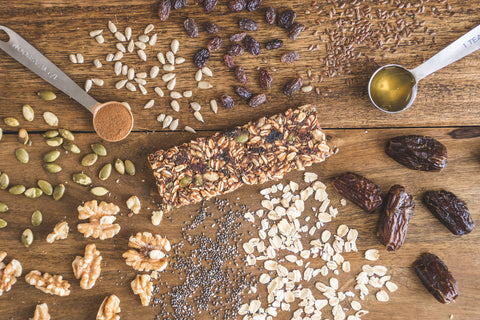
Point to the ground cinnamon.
(113, 121)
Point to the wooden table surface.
(446, 101)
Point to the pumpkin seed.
(23, 136)
(33, 193)
(46, 95)
(242, 138)
(22, 155)
(45, 186)
(130, 167)
(185, 182)
(52, 167)
(11, 122)
(50, 134)
(99, 149)
(3, 223)
(27, 238)
(89, 159)
(99, 191)
(28, 112)
(4, 181)
(51, 156)
(120, 166)
(58, 192)
(50, 118)
(54, 142)
(82, 178)
(3, 207)
(37, 218)
(17, 189)
(105, 171)
(71, 147)
(66, 134)
(198, 180)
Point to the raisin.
(292, 86)
(253, 5)
(241, 75)
(436, 278)
(191, 27)
(252, 45)
(237, 5)
(201, 57)
(450, 210)
(247, 24)
(211, 28)
(243, 92)
(178, 4)
(228, 60)
(273, 44)
(257, 100)
(393, 223)
(209, 5)
(266, 78)
(235, 50)
(358, 189)
(215, 44)
(164, 8)
(270, 15)
(295, 30)
(286, 19)
(237, 37)
(290, 57)
(227, 101)
(418, 152)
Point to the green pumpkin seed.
(45, 186)
(27, 238)
(3, 207)
(58, 192)
(28, 112)
(46, 95)
(52, 167)
(82, 178)
(17, 189)
(129, 167)
(3, 223)
(22, 155)
(120, 166)
(198, 180)
(99, 191)
(99, 149)
(51, 156)
(23, 136)
(66, 134)
(185, 182)
(50, 119)
(4, 181)
(89, 159)
(50, 134)
(54, 142)
(37, 218)
(242, 138)
(33, 193)
(105, 171)
(71, 147)
(11, 122)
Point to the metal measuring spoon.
(112, 121)
(458, 49)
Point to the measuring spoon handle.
(458, 49)
(19, 49)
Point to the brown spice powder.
(113, 122)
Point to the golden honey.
(391, 88)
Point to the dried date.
(164, 8)
(286, 19)
(394, 220)
(450, 210)
(178, 4)
(418, 152)
(290, 57)
(243, 92)
(273, 44)
(253, 5)
(257, 100)
(252, 45)
(358, 189)
(292, 86)
(295, 30)
(270, 15)
(228, 60)
(209, 5)
(215, 44)
(436, 278)
(266, 79)
(227, 101)
(211, 27)
(241, 75)
(247, 24)
(235, 50)
(237, 5)
(201, 57)
(191, 27)
(237, 37)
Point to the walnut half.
(110, 309)
(41, 312)
(101, 217)
(48, 283)
(8, 273)
(60, 232)
(143, 286)
(88, 267)
(149, 254)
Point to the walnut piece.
(48, 283)
(133, 203)
(41, 312)
(109, 309)
(101, 217)
(143, 286)
(149, 254)
(88, 267)
(60, 232)
(8, 273)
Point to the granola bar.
(255, 153)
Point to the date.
(394, 220)
(436, 278)
(418, 152)
(450, 210)
(358, 189)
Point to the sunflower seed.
(3, 223)
(80, 58)
(1, 134)
(11, 122)
(120, 47)
(198, 75)
(127, 105)
(33, 193)
(120, 37)
(45, 186)
(207, 71)
(170, 57)
(179, 60)
(37, 218)
(195, 106)
(143, 38)
(50, 119)
(167, 121)
(3, 207)
(130, 87)
(27, 238)
(171, 84)
(161, 117)
(98, 82)
(214, 106)
(52, 167)
(117, 68)
(89, 159)
(168, 76)
(175, 95)
(129, 167)
(109, 57)
(141, 75)
(71, 147)
(189, 129)
(173, 125)
(82, 179)
(97, 63)
(4, 181)
(118, 56)
(159, 91)
(187, 94)
(142, 55)
(143, 90)
(100, 39)
(131, 46)
(54, 142)
(154, 72)
(112, 27)
(51, 156)
(153, 40)
(161, 57)
(198, 116)
(130, 73)
(204, 85)
(174, 46)
(17, 189)
(120, 84)
(46, 95)
(382, 296)
(22, 155)
(307, 88)
(140, 45)
(175, 105)
(23, 136)
(88, 85)
(105, 172)
(149, 104)
(58, 192)
(95, 33)
(120, 166)
(128, 33)
(143, 82)
(168, 67)
(73, 58)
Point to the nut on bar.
(255, 153)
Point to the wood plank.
(361, 151)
